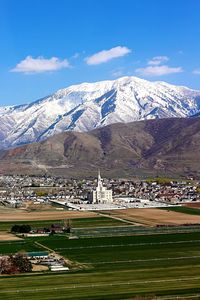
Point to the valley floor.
(116, 261)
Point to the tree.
(52, 232)
(25, 228)
(198, 190)
(22, 263)
(15, 228)
(67, 226)
(7, 266)
(41, 193)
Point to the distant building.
(101, 194)
(37, 254)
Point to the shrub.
(25, 228)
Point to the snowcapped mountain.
(87, 106)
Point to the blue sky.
(47, 44)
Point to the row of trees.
(13, 264)
(25, 228)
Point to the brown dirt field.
(44, 215)
(155, 216)
(39, 268)
(4, 209)
(30, 205)
(4, 236)
(193, 205)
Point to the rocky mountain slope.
(167, 147)
(88, 106)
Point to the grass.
(96, 222)
(11, 247)
(76, 223)
(128, 249)
(183, 209)
(103, 285)
(120, 267)
(131, 230)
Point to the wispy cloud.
(196, 72)
(158, 70)
(40, 65)
(156, 67)
(117, 72)
(106, 55)
(76, 55)
(157, 60)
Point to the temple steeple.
(99, 183)
(100, 194)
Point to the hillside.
(153, 147)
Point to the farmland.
(184, 209)
(108, 252)
(91, 221)
(11, 247)
(117, 268)
(20, 215)
(7, 236)
(116, 261)
(154, 216)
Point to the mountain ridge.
(87, 106)
(166, 147)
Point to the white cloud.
(159, 70)
(157, 60)
(196, 72)
(40, 64)
(106, 55)
(117, 73)
(76, 55)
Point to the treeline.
(13, 264)
(160, 180)
(53, 228)
(25, 228)
(166, 181)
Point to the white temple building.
(101, 194)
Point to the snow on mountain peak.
(86, 106)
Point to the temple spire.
(101, 194)
(99, 182)
(99, 175)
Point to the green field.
(106, 285)
(113, 267)
(118, 268)
(109, 252)
(11, 247)
(131, 230)
(75, 223)
(183, 209)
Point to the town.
(86, 194)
